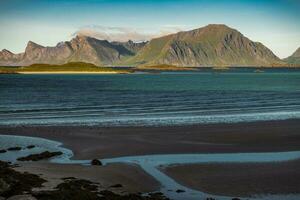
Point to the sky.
(275, 23)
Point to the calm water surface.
(150, 99)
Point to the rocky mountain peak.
(81, 38)
(32, 45)
(217, 26)
(9, 58)
(6, 52)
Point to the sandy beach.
(90, 142)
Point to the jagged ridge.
(79, 49)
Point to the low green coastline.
(88, 68)
(73, 67)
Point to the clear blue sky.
(274, 23)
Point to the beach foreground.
(126, 176)
(239, 179)
(90, 142)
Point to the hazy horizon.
(274, 23)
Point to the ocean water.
(170, 98)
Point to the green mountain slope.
(294, 58)
(210, 45)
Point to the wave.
(91, 119)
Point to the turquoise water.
(150, 99)
(152, 164)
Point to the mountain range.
(79, 49)
(212, 45)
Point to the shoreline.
(156, 70)
(68, 72)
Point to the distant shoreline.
(149, 70)
(68, 72)
(88, 68)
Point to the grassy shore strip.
(86, 68)
(68, 72)
(69, 68)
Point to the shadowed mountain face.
(210, 45)
(79, 49)
(294, 58)
(131, 46)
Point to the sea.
(150, 99)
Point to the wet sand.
(89, 142)
(98, 142)
(243, 180)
